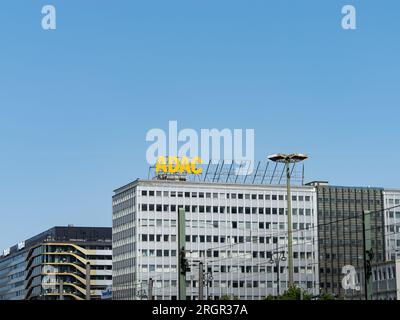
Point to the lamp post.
(208, 280)
(287, 159)
(277, 257)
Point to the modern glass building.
(70, 263)
(234, 229)
(340, 233)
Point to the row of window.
(223, 209)
(217, 224)
(347, 242)
(215, 195)
(392, 214)
(393, 201)
(145, 268)
(377, 274)
(217, 239)
(334, 199)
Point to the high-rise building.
(340, 232)
(392, 222)
(70, 263)
(234, 229)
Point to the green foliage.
(270, 297)
(228, 297)
(293, 293)
(326, 296)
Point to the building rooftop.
(68, 233)
(205, 184)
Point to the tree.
(228, 297)
(326, 296)
(292, 293)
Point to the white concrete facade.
(391, 199)
(233, 229)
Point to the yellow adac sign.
(175, 165)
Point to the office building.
(234, 229)
(70, 263)
(392, 222)
(385, 278)
(340, 232)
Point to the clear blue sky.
(76, 103)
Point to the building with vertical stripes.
(340, 233)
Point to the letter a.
(49, 20)
(349, 20)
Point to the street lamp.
(208, 278)
(277, 257)
(287, 159)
